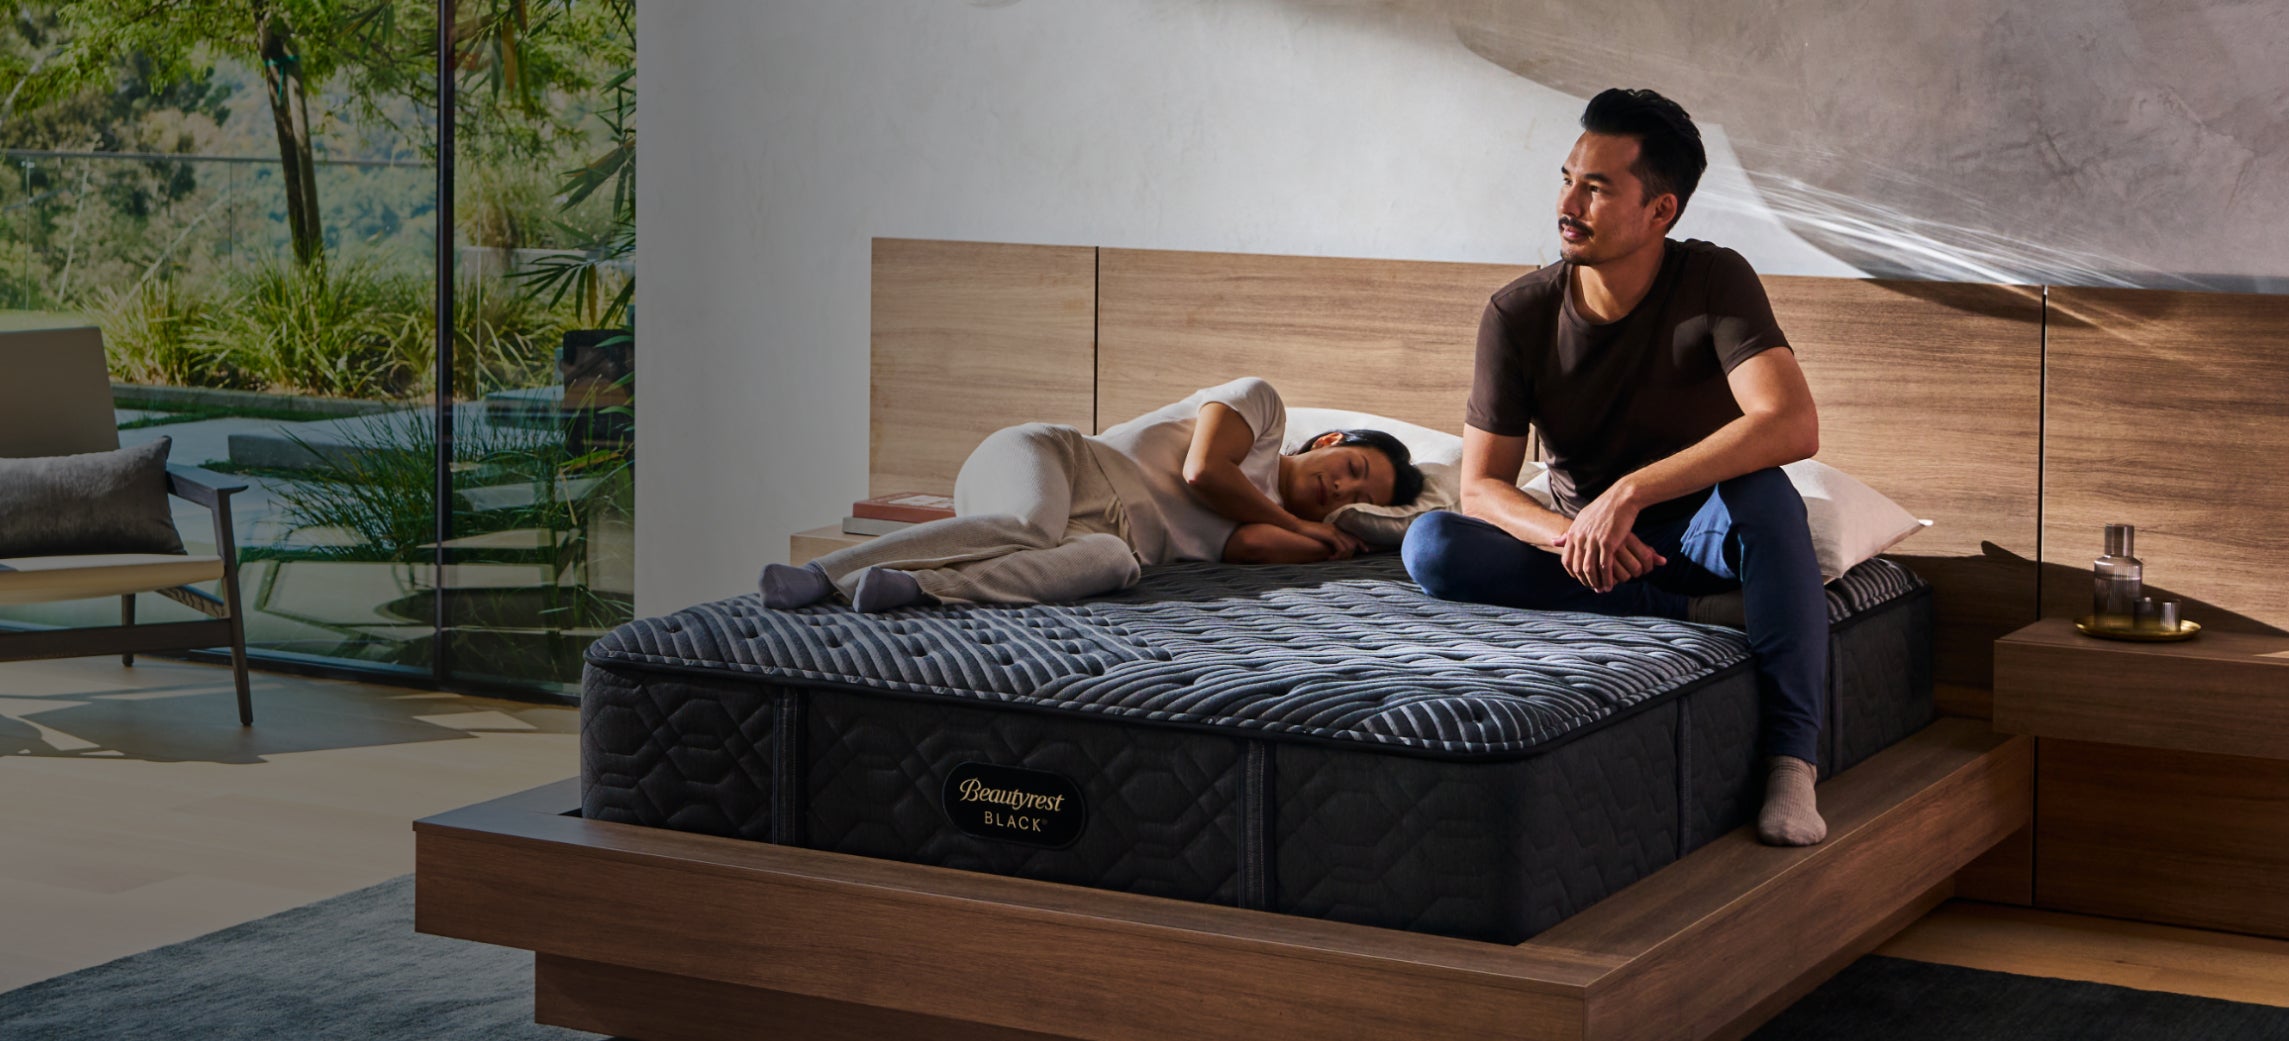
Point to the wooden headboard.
(1933, 393)
(2170, 411)
(1391, 337)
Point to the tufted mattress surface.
(1321, 740)
(1350, 653)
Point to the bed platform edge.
(670, 936)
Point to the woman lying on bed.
(1044, 513)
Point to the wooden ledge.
(831, 945)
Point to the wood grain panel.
(845, 945)
(1709, 939)
(1931, 393)
(2164, 836)
(2139, 955)
(2170, 411)
(979, 949)
(969, 338)
(811, 544)
(623, 1002)
(2003, 875)
(1391, 337)
(2222, 693)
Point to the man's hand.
(1600, 550)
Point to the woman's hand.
(1340, 544)
(1274, 544)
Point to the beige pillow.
(1850, 521)
(1386, 526)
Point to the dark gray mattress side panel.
(676, 752)
(1489, 851)
(1882, 674)
(1723, 786)
(1164, 806)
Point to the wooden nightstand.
(2162, 773)
(2219, 693)
(807, 546)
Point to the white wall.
(780, 138)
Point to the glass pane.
(542, 555)
(145, 194)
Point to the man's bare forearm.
(1508, 507)
(1745, 445)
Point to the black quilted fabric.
(1321, 741)
(1349, 653)
(1165, 813)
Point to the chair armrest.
(201, 486)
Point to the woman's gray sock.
(786, 587)
(885, 589)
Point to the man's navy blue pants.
(1749, 534)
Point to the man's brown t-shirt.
(1609, 399)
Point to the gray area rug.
(341, 969)
(1891, 999)
(353, 968)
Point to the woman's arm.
(1270, 544)
(1220, 440)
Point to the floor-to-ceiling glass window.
(541, 556)
(243, 196)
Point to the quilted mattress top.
(1352, 653)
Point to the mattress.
(1321, 740)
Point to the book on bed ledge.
(910, 507)
(872, 526)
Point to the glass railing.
(315, 386)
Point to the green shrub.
(336, 329)
(150, 335)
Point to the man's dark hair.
(1406, 479)
(1669, 153)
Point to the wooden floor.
(134, 812)
(2101, 950)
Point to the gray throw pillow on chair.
(98, 502)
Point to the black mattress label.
(1034, 807)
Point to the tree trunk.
(290, 113)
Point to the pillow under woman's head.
(1432, 452)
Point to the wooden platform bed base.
(667, 936)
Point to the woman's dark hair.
(1669, 154)
(1406, 479)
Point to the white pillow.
(1435, 452)
(1850, 521)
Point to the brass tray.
(2088, 626)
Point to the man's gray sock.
(1791, 814)
(885, 589)
(786, 587)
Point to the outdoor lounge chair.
(55, 400)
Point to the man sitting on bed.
(1649, 367)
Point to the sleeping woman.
(1044, 513)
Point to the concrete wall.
(779, 138)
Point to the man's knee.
(1763, 498)
(1433, 556)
